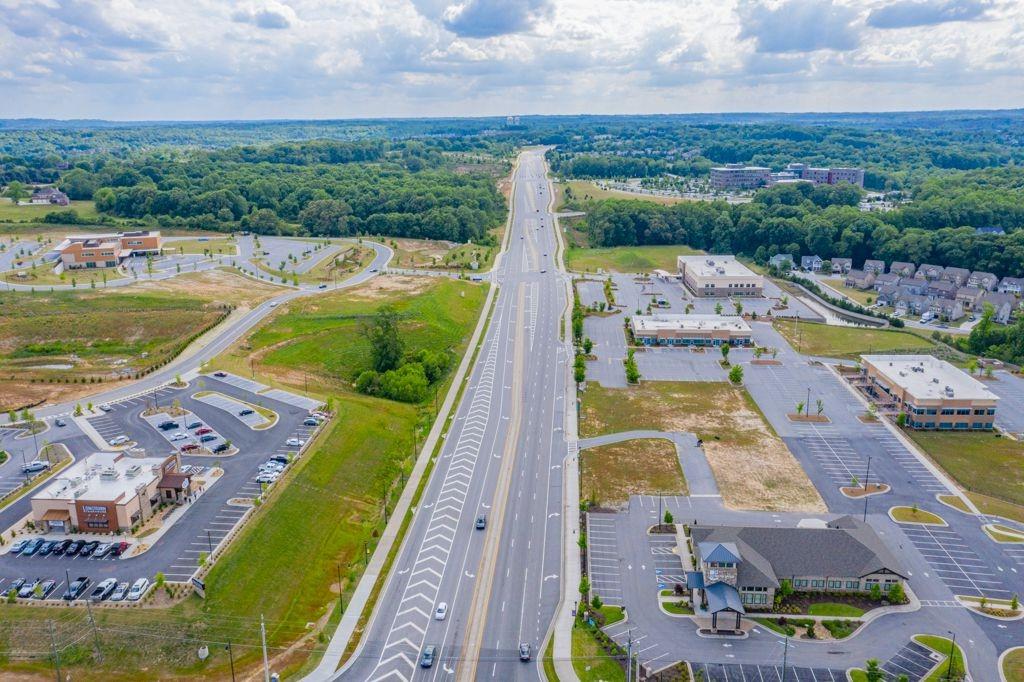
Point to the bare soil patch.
(611, 473)
(223, 286)
(383, 287)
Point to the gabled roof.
(724, 597)
(720, 552)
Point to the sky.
(254, 59)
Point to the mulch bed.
(859, 491)
(766, 362)
(803, 600)
(816, 418)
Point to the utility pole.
(807, 405)
(53, 650)
(341, 593)
(660, 516)
(263, 638)
(866, 474)
(952, 654)
(629, 658)
(95, 635)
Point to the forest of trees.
(803, 219)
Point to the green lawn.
(585, 190)
(222, 245)
(10, 212)
(811, 338)
(590, 661)
(834, 609)
(611, 473)
(912, 515)
(981, 462)
(1013, 665)
(612, 614)
(626, 258)
(942, 645)
(856, 294)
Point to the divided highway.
(501, 461)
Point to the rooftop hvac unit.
(949, 391)
(935, 380)
(133, 471)
(109, 474)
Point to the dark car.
(524, 652)
(76, 588)
(61, 547)
(193, 425)
(32, 547)
(282, 459)
(221, 448)
(119, 548)
(204, 430)
(60, 422)
(322, 286)
(245, 413)
(310, 421)
(428, 655)
(73, 548)
(168, 425)
(15, 585)
(45, 588)
(481, 522)
(207, 438)
(88, 548)
(47, 547)
(220, 375)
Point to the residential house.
(946, 309)
(741, 567)
(969, 296)
(902, 269)
(1011, 285)
(885, 279)
(984, 280)
(940, 288)
(957, 276)
(841, 266)
(912, 304)
(49, 195)
(782, 261)
(811, 263)
(875, 266)
(888, 295)
(1002, 306)
(913, 285)
(929, 272)
(858, 279)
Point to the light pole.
(866, 474)
(952, 654)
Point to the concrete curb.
(350, 620)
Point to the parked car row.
(272, 469)
(109, 589)
(68, 547)
(201, 435)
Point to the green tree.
(16, 191)
(596, 602)
(896, 594)
(584, 587)
(668, 518)
(588, 345)
(386, 346)
(725, 352)
(736, 374)
(718, 309)
(873, 672)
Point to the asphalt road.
(501, 458)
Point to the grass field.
(942, 646)
(626, 258)
(752, 465)
(811, 338)
(857, 295)
(10, 212)
(1013, 665)
(584, 190)
(215, 245)
(911, 515)
(439, 255)
(980, 462)
(611, 473)
(590, 661)
(320, 337)
(328, 507)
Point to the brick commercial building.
(931, 392)
(826, 176)
(740, 568)
(711, 276)
(106, 250)
(108, 492)
(690, 330)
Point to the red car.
(189, 447)
(203, 431)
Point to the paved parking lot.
(603, 557)
(912, 660)
(1010, 389)
(668, 568)
(192, 435)
(264, 390)
(834, 454)
(652, 655)
(955, 563)
(736, 672)
(898, 452)
(234, 407)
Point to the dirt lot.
(611, 473)
(752, 465)
(223, 286)
(384, 287)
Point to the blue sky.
(209, 59)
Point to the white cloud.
(333, 58)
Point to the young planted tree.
(725, 352)
(736, 374)
(800, 408)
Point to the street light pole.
(866, 474)
(952, 654)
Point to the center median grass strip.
(812, 338)
(984, 463)
(611, 473)
(752, 465)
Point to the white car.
(119, 440)
(294, 442)
(120, 592)
(179, 436)
(441, 611)
(138, 589)
(268, 477)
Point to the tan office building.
(931, 392)
(690, 330)
(107, 250)
(107, 492)
(719, 276)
